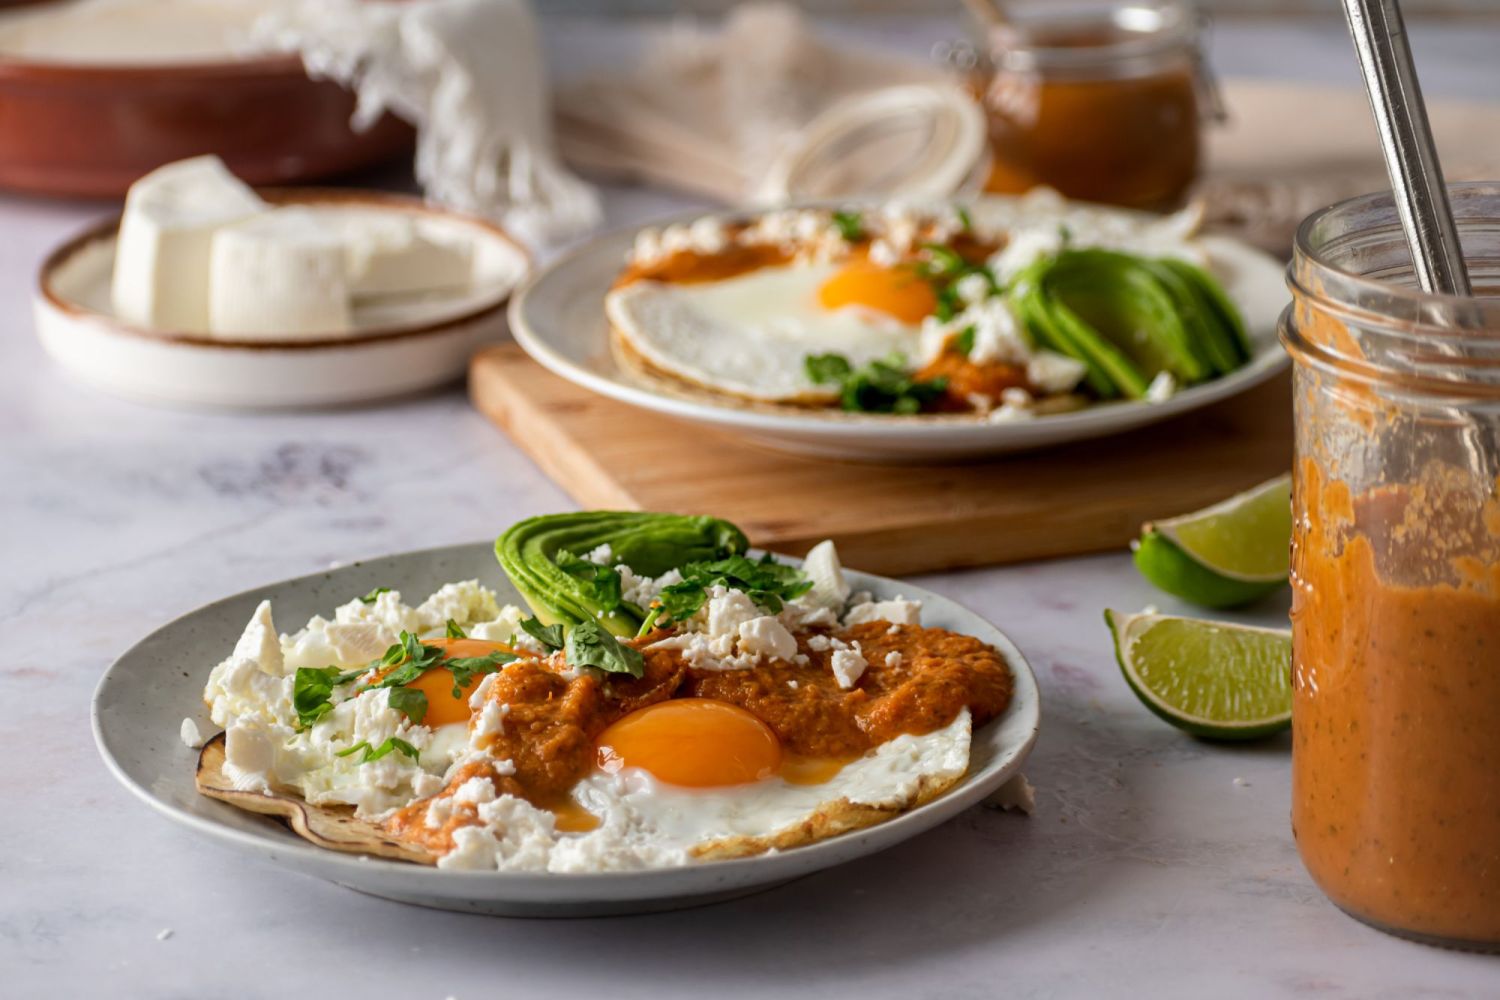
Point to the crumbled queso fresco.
(894, 234)
(332, 761)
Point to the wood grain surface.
(886, 519)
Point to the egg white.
(646, 823)
(748, 335)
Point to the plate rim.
(46, 295)
(762, 869)
(1059, 428)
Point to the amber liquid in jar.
(1098, 130)
(1396, 576)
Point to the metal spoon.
(1417, 184)
(1406, 139)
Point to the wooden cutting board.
(887, 519)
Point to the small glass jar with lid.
(1103, 102)
(1396, 573)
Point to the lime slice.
(1228, 554)
(1213, 679)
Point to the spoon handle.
(1406, 139)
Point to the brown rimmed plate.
(398, 346)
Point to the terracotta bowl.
(93, 130)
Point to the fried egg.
(648, 817)
(670, 783)
(749, 335)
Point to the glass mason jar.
(1101, 102)
(1396, 573)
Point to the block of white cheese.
(389, 254)
(278, 274)
(161, 259)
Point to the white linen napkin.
(469, 75)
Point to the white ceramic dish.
(396, 347)
(558, 318)
(143, 697)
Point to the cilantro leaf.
(589, 644)
(963, 341)
(964, 218)
(409, 702)
(850, 226)
(550, 636)
(372, 595)
(466, 668)
(884, 386)
(948, 305)
(312, 691)
(455, 631)
(312, 687)
(943, 269)
(824, 368)
(766, 582)
(944, 261)
(411, 658)
(391, 743)
(649, 624)
(604, 579)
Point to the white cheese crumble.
(733, 633)
(490, 722)
(1054, 373)
(1017, 794)
(848, 666)
(1162, 388)
(829, 588)
(898, 611)
(894, 658)
(972, 288)
(512, 833)
(250, 695)
(766, 636)
(462, 602)
(728, 610)
(191, 738)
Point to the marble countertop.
(1153, 863)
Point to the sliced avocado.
(1126, 304)
(1044, 330)
(1221, 329)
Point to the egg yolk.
(696, 742)
(895, 291)
(437, 683)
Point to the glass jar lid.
(922, 141)
(1089, 39)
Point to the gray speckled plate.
(144, 696)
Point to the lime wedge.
(1228, 554)
(1213, 679)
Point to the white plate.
(397, 346)
(559, 319)
(143, 697)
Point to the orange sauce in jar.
(1396, 702)
(1083, 109)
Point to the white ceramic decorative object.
(142, 699)
(397, 345)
